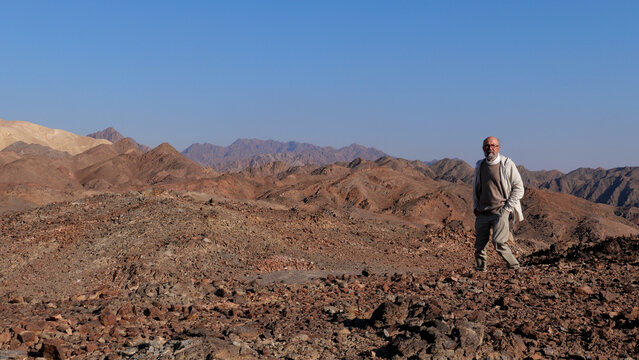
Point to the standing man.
(496, 193)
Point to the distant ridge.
(114, 136)
(245, 153)
(60, 140)
(617, 187)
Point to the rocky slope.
(175, 275)
(617, 187)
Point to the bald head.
(491, 148)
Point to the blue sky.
(556, 81)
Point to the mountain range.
(36, 157)
(137, 253)
(245, 153)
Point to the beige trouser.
(500, 226)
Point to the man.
(496, 193)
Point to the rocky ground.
(166, 275)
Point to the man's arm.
(475, 195)
(517, 187)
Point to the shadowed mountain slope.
(21, 148)
(453, 170)
(552, 218)
(535, 178)
(114, 136)
(618, 186)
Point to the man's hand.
(505, 211)
(476, 212)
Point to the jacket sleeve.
(517, 187)
(475, 197)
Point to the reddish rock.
(127, 310)
(27, 337)
(56, 317)
(632, 314)
(55, 349)
(5, 337)
(63, 327)
(608, 295)
(584, 290)
(107, 318)
(117, 332)
(90, 347)
(154, 313)
(246, 332)
(36, 326)
(16, 300)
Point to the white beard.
(492, 159)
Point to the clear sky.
(556, 81)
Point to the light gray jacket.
(511, 183)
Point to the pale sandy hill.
(14, 131)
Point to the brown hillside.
(164, 164)
(561, 219)
(617, 187)
(57, 174)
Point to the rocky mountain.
(114, 136)
(41, 175)
(244, 153)
(453, 170)
(537, 178)
(60, 140)
(617, 187)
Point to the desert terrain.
(124, 252)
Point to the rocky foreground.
(161, 276)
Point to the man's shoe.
(480, 269)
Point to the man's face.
(491, 148)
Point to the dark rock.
(410, 347)
(389, 313)
(528, 330)
(55, 349)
